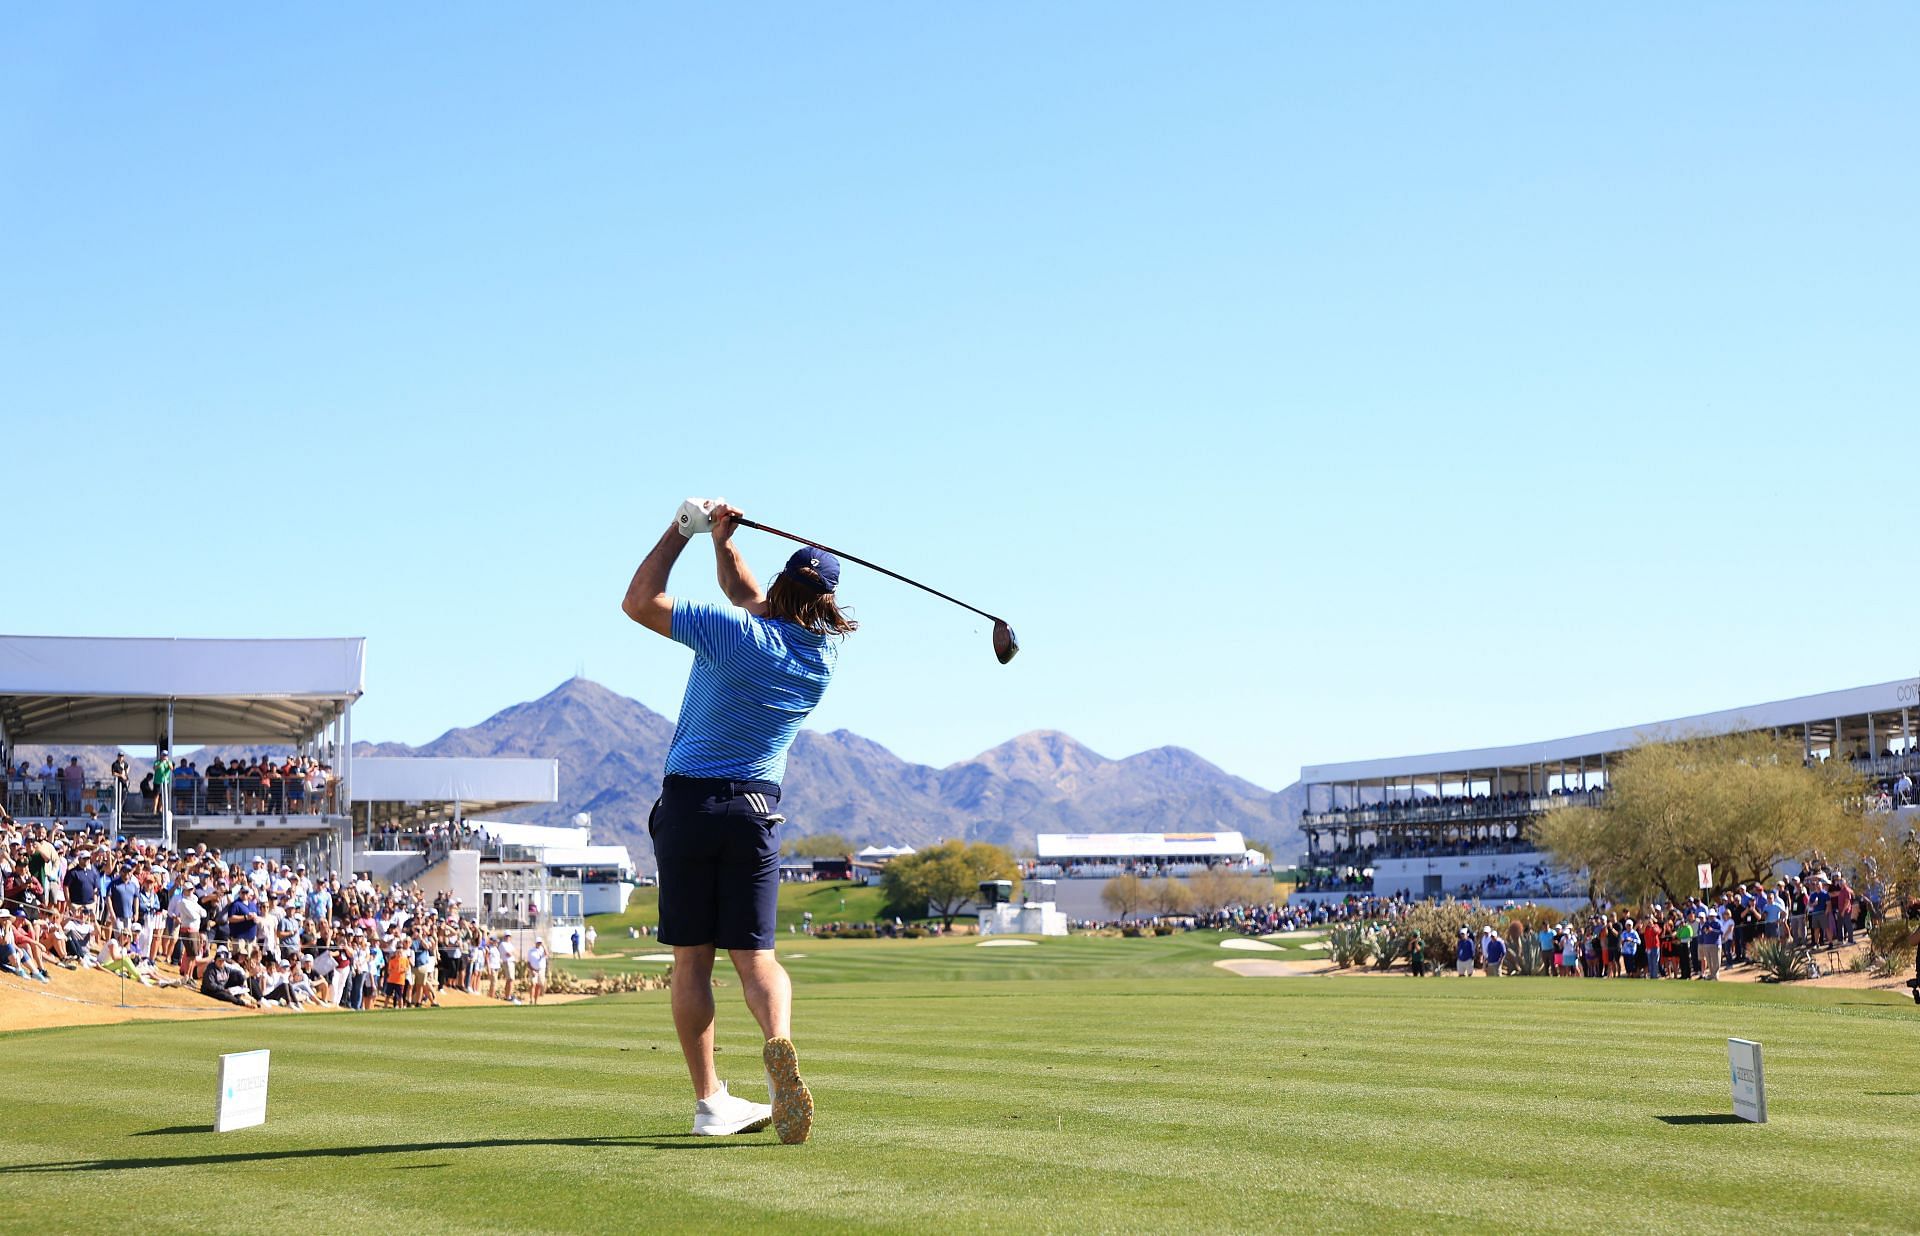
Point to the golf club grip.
(841, 553)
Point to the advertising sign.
(1749, 1080)
(1706, 876)
(243, 1091)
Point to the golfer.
(760, 666)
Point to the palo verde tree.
(819, 845)
(941, 878)
(1124, 894)
(1743, 802)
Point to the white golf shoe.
(721, 1114)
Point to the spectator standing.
(1463, 954)
(537, 968)
(1710, 935)
(73, 782)
(162, 781)
(1495, 950)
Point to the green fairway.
(830, 902)
(1076, 1085)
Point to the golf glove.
(696, 515)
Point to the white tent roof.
(588, 856)
(1789, 715)
(480, 784)
(508, 833)
(83, 690)
(1140, 845)
(885, 851)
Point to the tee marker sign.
(1749, 1080)
(243, 1091)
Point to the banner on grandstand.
(1749, 1080)
(1706, 876)
(243, 1091)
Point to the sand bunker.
(1263, 968)
(1004, 944)
(653, 956)
(1251, 946)
(1293, 935)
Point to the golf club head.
(1004, 644)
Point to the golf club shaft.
(841, 553)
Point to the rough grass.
(1080, 1085)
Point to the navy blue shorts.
(719, 859)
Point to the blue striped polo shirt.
(754, 681)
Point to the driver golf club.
(1004, 644)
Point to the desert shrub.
(1527, 958)
(913, 933)
(1164, 930)
(1781, 961)
(1439, 925)
(1890, 935)
(1861, 962)
(1133, 933)
(1884, 965)
(1534, 918)
(1351, 945)
(1388, 947)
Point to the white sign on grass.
(1749, 1080)
(243, 1091)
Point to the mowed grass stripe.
(1172, 1099)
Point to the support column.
(166, 793)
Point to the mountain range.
(611, 750)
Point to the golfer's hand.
(725, 521)
(695, 515)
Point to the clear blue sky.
(1304, 382)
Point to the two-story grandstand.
(1459, 823)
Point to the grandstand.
(1458, 823)
(403, 820)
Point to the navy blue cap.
(820, 562)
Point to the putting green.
(1090, 1084)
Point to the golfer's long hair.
(791, 600)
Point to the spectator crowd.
(254, 933)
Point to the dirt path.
(90, 998)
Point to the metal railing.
(56, 797)
(242, 794)
(1448, 811)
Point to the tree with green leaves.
(1743, 802)
(819, 845)
(941, 878)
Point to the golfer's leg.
(693, 1013)
(769, 993)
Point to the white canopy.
(885, 851)
(614, 856)
(493, 784)
(1140, 845)
(82, 690)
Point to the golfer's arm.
(647, 602)
(737, 581)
